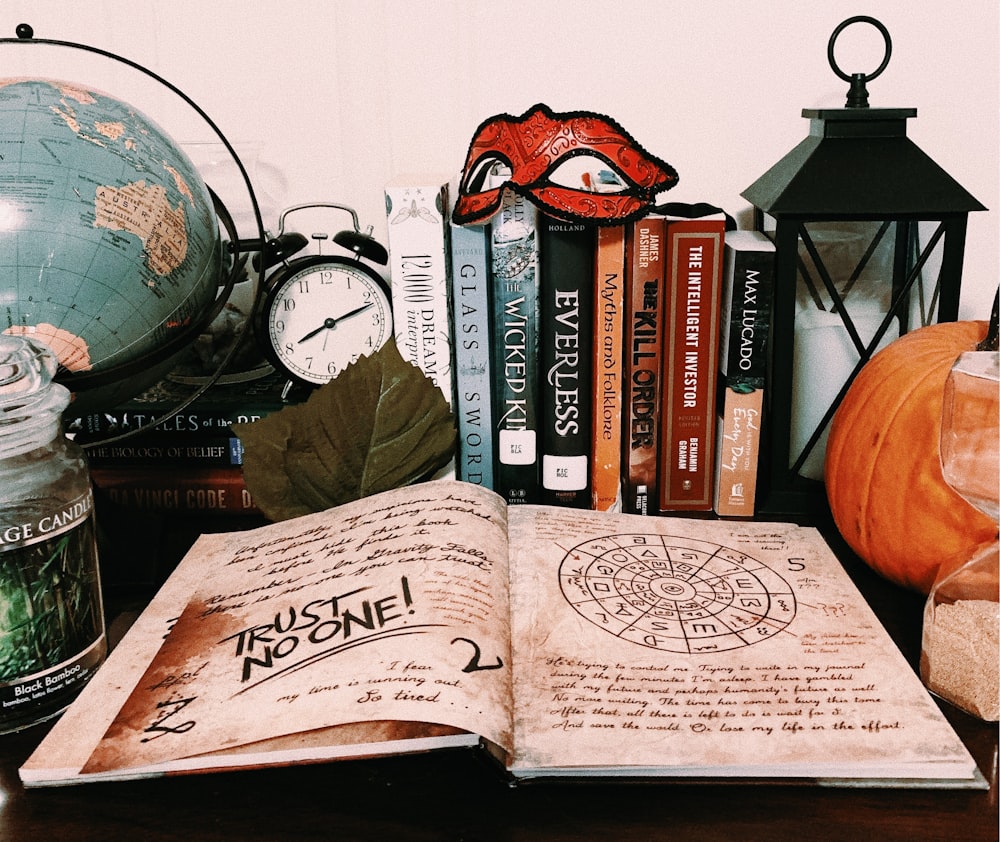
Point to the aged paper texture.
(389, 609)
(702, 647)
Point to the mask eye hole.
(480, 174)
(588, 173)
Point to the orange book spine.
(609, 303)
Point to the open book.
(567, 642)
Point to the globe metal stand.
(239, 249)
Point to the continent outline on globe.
(145, 212)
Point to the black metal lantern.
(869, 235)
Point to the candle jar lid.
(30, 402)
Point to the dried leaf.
(381, 424)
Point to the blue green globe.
(110, 250)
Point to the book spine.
(416, 211)
(643, 353)
(748, 283)
(206, 490)
(609, 294)
(690, 364)
(195, 424)
(566, 331)
(210, 413)
(471, 363)
(737, 448)
(206, 450)
(514, 289)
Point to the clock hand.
(327, 323)
(330, 323)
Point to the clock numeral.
(288, 304)
(279, 326)
(304, 286)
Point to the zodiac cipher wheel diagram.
(675, 594)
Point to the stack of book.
(190, 461)
(606, 367)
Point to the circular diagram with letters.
(675, 594)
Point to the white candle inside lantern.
(824, 358)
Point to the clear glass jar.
(960, 652)
(960, 655)
(52, 636)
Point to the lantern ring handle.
(865, 77)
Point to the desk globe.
(110, 250)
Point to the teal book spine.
(470, 255)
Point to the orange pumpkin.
(883, 461)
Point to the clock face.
(324, 316)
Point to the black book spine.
(566, 254)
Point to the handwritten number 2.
(474, 665)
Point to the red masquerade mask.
(526, 154)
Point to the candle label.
(51, 617)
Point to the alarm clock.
(319, 313)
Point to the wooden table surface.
(458, 796)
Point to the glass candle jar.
(52, 636)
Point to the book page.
(698, 647)
(393, 608)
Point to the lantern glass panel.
(860, 284)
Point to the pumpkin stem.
(990, 342)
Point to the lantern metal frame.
(856, 166)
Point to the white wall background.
(339, 95)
